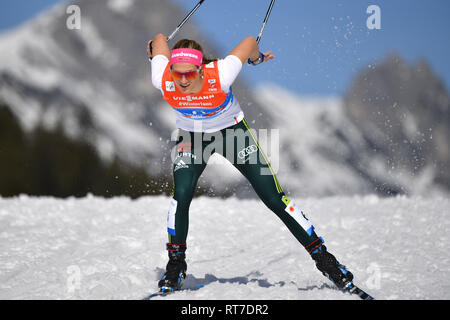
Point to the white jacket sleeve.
(159, 64)
(229, 69)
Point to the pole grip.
(178, 27)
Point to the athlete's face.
(188, 77)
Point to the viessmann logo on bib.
(194, 98)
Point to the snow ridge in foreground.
(96, 248)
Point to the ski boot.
(175, 269)
(330, 267)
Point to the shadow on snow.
(253, 277)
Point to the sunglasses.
(190, 75)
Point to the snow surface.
(96, 248)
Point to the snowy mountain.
(329, 152)
(402, 111)
(51, 74)
(95, 84)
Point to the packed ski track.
(97, 248)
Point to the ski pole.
(185, 19)
(265, 21)
(258, 38)
(180, 25)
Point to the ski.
(352, 289)
(166, 291)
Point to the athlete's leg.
(187, 168)
(251, 161)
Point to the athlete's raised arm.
(159, 46)
(248, 49)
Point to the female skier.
(209, 119)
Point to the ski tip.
(163, 291)
(350, 287)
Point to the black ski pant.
(238, 145)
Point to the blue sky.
(319, 45)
